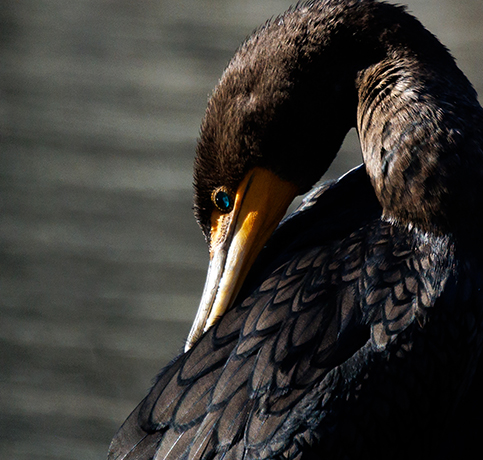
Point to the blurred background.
(101, 261)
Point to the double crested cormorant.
(357, 332)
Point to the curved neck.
(417, 115)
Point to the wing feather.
(299, 349)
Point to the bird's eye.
(222, 199)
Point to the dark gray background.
(102, 263)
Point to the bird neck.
(418, 117)
(419, 124)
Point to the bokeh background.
(101, 261)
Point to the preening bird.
(352, 330)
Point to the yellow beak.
(237, 238)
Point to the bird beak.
(237, 237)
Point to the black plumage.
(358, 329)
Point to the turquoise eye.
(222, 199)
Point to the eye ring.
(222, 199)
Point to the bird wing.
(336, 287)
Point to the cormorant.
(354, 330)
